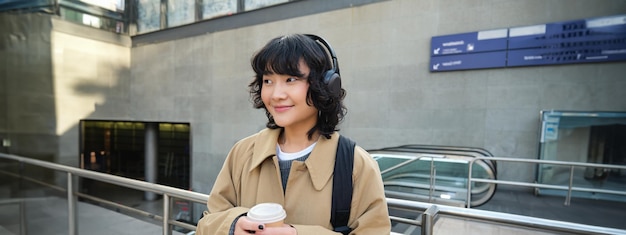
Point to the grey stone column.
(151, 152)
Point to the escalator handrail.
(488, 167)
(492, 164)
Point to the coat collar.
(320, 164)
(264, 146)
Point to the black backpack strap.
(342, 186)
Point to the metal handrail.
(431, 212)
(91, 198)
(426, 221)
(432, 171)
(569, 187)
(166, 191)
(22, 215)
(432, 174)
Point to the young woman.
(291, 162)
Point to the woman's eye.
(292, 79)
(267, 81)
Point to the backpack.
(342, 186)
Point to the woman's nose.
(279, 91)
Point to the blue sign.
(527, 57)
(468, 61)
(492, 40)
(573, 33)
(579, 41)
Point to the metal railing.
(22, 208)
(166, 191)
(570, 187)
(433, 174)
(429, 213)
(431, 188)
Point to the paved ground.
(48, 215)
(601, 213)
(46, 211)
(585, 211)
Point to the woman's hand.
(244, 226)
(284, 230)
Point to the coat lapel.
(264, 147)
(321, 162)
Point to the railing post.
(434, 179)
(23, 217)
(166, 215)
(569, 188)
(428, 220)
(71, 206)
(468, 201)
(430, 190)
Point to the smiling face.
(285, 97)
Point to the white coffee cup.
(270, 214)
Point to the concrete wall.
(27, 101)
(90, 76)
(54, 74)
(392, 97)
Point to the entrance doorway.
(607, 145)
(118, 148)
(586, 137)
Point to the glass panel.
(174, 145)
(118, 148)
(385, 163)
(255, 4)
(113, 5)
(31, 196)
(588, 137)
(46, 5)
(180, 12)
(92, 20)
(215, 8)
(148, 15)
(409, 177)
(447, 173)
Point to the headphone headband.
(332, 79)
(333, 56)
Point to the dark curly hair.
(282, 55)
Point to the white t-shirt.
(290, 156)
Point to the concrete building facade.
(53, 74)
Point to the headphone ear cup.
(333, 81)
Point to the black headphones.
(331, 78)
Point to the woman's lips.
(281, 108)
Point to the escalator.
(406, 171)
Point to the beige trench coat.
(250, 175)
